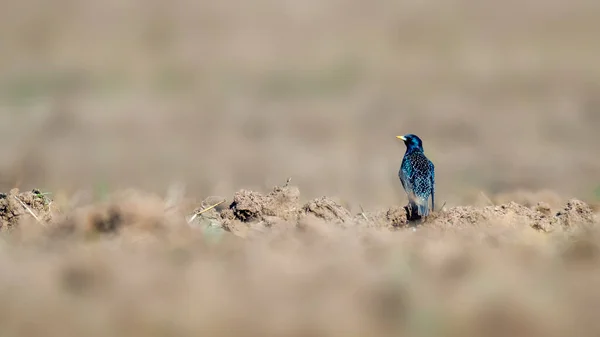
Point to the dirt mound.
(254, 212)
(540, 217)
(15, 205)
(576, 212)
(327, 209)
(459, 216)
(393, 218)
(282, 203)
(511, 213)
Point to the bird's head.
(412, 142)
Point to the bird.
(417, 175)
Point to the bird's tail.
(423, 210)
(421, 206)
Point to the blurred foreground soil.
(265, 264)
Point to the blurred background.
(223, 95)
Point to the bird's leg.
(408, 210)
(412, 211)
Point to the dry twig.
(487, 199)
(205, 209)
(362, 212)
(29, 210)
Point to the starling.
(417, 176)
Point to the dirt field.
(264, 264)
(129, 116)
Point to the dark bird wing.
(404, 175)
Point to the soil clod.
(281, 202)
(327, 209)
(15, 205)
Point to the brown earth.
(250, 209)
(282, 205)
(266, 264)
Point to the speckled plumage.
(417, 174)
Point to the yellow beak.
(401, 137)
